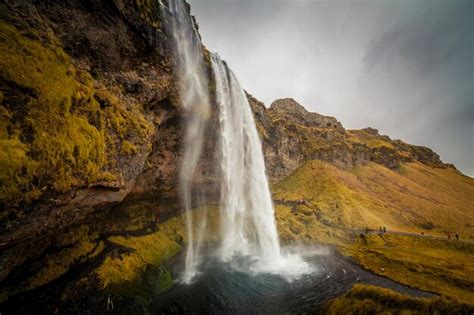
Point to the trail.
(294, 204)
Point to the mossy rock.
(58, 127)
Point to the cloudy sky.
(403, 67)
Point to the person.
(457, 237)
(384, 229)
(380, 229)
(449, 236)
(422, 233)
(110, 303)
(155, 221)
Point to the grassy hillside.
(436, 265)
(365, 299)
(320, 202)
(414, 198)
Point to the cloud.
(405, 68)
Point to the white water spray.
(247, 215)
(194, 93)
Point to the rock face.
(289, 109)
(291, 136)
(90, 124)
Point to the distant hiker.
(422, 233)
(155, 221)
(457, 237)
(380, 229)
(384, 229)
(449, 236)
(157, 218)
(110, 303)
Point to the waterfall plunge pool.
(232, 287)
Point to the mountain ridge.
(292, 135)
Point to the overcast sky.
(403, 67)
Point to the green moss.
(16, 169)
(372, 141)
(147, 250)
(60, 146)
(142, 266)
(128, 148)
(57, 130)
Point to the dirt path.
(294, 204)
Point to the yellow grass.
(367, 299)
(413, 199)
(336, 205)
(436, 265)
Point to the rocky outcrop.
(291, 136)
(289, 109)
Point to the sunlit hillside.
(413, 198)
(320, 202)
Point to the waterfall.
(194, 95)
(248, 226)
(247, 215)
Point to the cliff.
(291, 136)
(89, 125)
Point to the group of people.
(381, 230)
(455, 235)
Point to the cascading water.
(247, 216)
(194, 92)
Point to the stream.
(229, 287)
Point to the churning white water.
(247, 215)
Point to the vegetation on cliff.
(291, 136)
(58, 126)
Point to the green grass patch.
(367, 299)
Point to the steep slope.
(340, 187)
(414, 198)
(359, 178)
(291, 136)
(321, 202)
